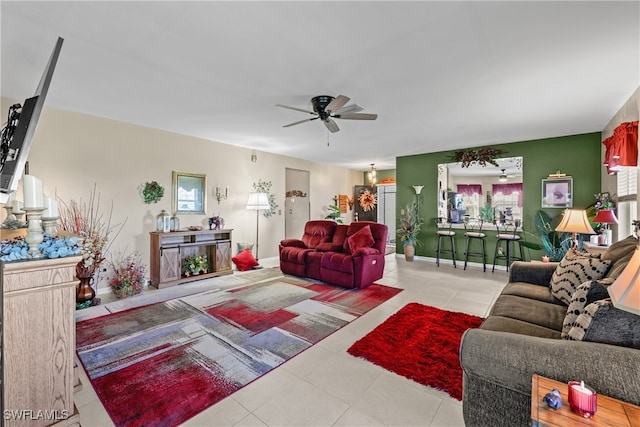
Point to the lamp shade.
(605, 216)
(258, 201)
(625, 291)
(575, 221)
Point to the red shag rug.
(421, 343)
(161, 364)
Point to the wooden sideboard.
(168, 251)
(39, 342)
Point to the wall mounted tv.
(16, 136)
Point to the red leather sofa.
(351, 256)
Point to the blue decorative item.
(553, 399)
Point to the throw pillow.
(244, 260)
(575, 269)
(602, 322)
(620, 253)
(586, 293)
(361, 239)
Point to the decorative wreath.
(152, 192)
(367, 200)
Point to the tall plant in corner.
(409, 229)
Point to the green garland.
(152, 192)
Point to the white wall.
(71, 152)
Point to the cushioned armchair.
(293, 252)
(361, 260)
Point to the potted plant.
(334, 214)
(409, 229)
(126, 274)
(195, 264)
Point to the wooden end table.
(610, 412)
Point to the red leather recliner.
(293, 252)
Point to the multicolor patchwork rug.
(162, 364)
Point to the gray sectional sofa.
(522, 337)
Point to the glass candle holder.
(582, 399)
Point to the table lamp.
(625, 291)
(575, 221)
(258, 202)
(606, 217)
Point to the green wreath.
(152, 192)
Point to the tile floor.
(324, 385)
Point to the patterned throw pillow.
(586, 293)
(602, 322)
(575, 269)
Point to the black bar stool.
(506, 234)
(473, 232)
(443, 230)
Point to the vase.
(409, 252)
(84, 290)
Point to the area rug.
(420, 343)
(163, 363)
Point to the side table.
(610, 412)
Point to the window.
(627, 209)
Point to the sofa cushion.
(574, 269)
(527, 310)
(528, 290)
(360, 239)
(586, 293)
(619, 254)
(515, 326)
(602, 322)
(244, 260)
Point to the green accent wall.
(578, 156)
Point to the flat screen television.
(15, 150)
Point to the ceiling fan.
(327, 108)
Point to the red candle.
(582, 399)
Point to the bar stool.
(506, 234)
(443, 230)
(473, 231)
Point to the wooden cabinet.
(39, 341)
(168, 251)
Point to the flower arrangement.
(481, 156)
(195, 264)
(152, 192)
(603, 201)
(367, 200)
(410, 224)
(93, 229)
(126, 274)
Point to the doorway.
(296, 202)
(387, 210)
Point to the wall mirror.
(493, 193)
(189, 195)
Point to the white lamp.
(575, 221)
(625, 291)
(258, 202)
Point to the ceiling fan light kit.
(327, 108)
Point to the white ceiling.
(440, 75)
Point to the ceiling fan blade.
(331, 125)
(296, 109)
(353, 108)
(337, 103)
(299, 122)
(356, 116)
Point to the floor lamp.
(258, 202)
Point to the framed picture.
(557, 193)
(189, 193)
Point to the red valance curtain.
(621, 147)
(470, 189)
(508, 189)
